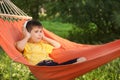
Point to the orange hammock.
(96, 55)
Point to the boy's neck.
(31, 41)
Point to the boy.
(36, 47)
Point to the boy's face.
(36, 34)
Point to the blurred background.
(93, 21)
(81, 21)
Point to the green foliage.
(84, 35)
(103, 13)
(10, 70)
(31, 7)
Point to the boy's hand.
(43, 35)
(51, 41)
(26, 33)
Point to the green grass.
(109, 71)
(58, 28)
(10, 70)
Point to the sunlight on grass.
(10, 70)
(58, 28)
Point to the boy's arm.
(20, 45)
(52, 42)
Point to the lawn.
(10, 70)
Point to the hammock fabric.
(96, 55)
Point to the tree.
(99, 20)
(31, 7)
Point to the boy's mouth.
(38, 38)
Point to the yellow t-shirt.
(36, 52)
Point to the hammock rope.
(9, 10)
(97, 55)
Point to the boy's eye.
(36, 31)
(40, 31)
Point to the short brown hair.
(30, 24)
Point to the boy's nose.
(40, 34)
